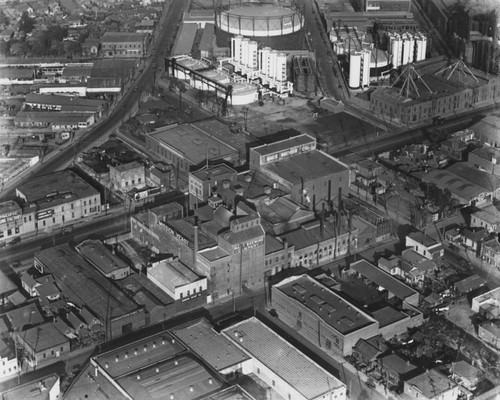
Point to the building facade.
(320, 315)
(124, 45)
(60, 198)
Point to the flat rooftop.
(306, 166)
(214, 348)
(388, 315)
(56, 188)
(139, 354)
(299, 371)
(183, 377)
(98, 255)
(80, 281)
(173, 273)
(122, 37)
(341, 315)
(32, 390)
(193, 143)
(383, 279)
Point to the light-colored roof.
(286, 361)
(431, 383)
(466, 371)
(214, 348)
(57, 100)
(172, 274)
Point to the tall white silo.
(236, 48)
(272, 63)
(366, 57)
(252, 54)
(264, 60)
(280, 74)
(354, 70)
(408, 48)
(396, 49)
(420, 46)
(244, 51)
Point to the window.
(84, 202)
(274, 382)
(62, 349)
(258, 371)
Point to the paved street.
(322, 48)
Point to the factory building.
(434, 88)
(268, 65)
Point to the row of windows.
(132, 182)
(52, 352)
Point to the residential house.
(425, 245)
(490, 252)
(489, 331)
(473, 238)
(367, 351)
(43, 344)
(395, 369)
(8, 360)
(466, 375)
(431, 385)
(488, 217)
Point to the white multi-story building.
(57, 199)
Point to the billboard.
(10, 216)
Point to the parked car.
(14, 241)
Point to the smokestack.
(195, 245)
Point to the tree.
(4, 20)
(26, 24)
(19, 48)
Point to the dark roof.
(82, 283)
(383, 279)
(341, 315)
(397, 364)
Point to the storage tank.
(272, 63)
(420, 47)
(408, 48)
(366, 56)
(252, 54)
(264, 61)
(244, 51)
(236, 48)
(280, 74)
(396, 49)
(355, 69)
